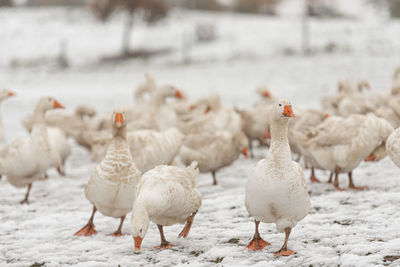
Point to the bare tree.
(152, 11)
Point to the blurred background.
(80, 50)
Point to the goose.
(267, 98)
(159, 112)
(393, 147)
(255, 124)
(4, 94)
(217, 117)
(309, 118)
(58, 143)
(340, 144)
(166, 195)
(396, 81)
(346, 88)
(213, 150)
(74, 125)
(148, 148)
(276, 191)
(112, 187)
(26, 160)
(148, 87)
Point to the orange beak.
(327, 116)
(207, 110)
(119, 118)
(288, 111)
(138, 243)
(370, 158)
(244, 152)
(267, 135)
(179, 94)
(10, 93)
(57, 104)
(266, 93)
(368, 86)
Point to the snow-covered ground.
(343, 228)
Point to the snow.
(343, 228)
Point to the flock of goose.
(138, 149)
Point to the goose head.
(118, 119)
(48, 103)
(264, 92)
(241, 142)
(171, 91)
(5, 94)
(140, 224)
(282, 110)
(363, 84)
(83, 111)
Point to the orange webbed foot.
(88, 230)
(257, 244)
(358, 188)
(314, 179)
(283, 253)
(165, 246)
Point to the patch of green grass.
(218, 260)
(196, 253)
(233, 240)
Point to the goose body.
(4, 94)
(339, 145)
(148, 148)
(216, 118)
(213, 150)
(393, 147)
(25, 160)
(276, 190)
(167, 195)
(112, 187)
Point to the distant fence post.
(394, 6)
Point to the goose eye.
(140, 231)
(280, 105)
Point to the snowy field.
(343, 228)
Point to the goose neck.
(119, 132)
(279, 137)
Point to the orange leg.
(284, 251)
(336, 182)
(352, 186)
(312, 177)
(214, 178)
(88, 229)
(188, 225)
(164, 243)
(330, 178)
(25, 200)
(257, 243)
(118, 232)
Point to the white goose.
(73, 125)
(339, 145)
(396, 81)
(213, 150)
(148, 148)
(26, 160)
(393, 147)
(166, 195)
(309, 118)
(276, 191)
(4, 94)
(112, 187)
(217, 117)
(58, 143)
